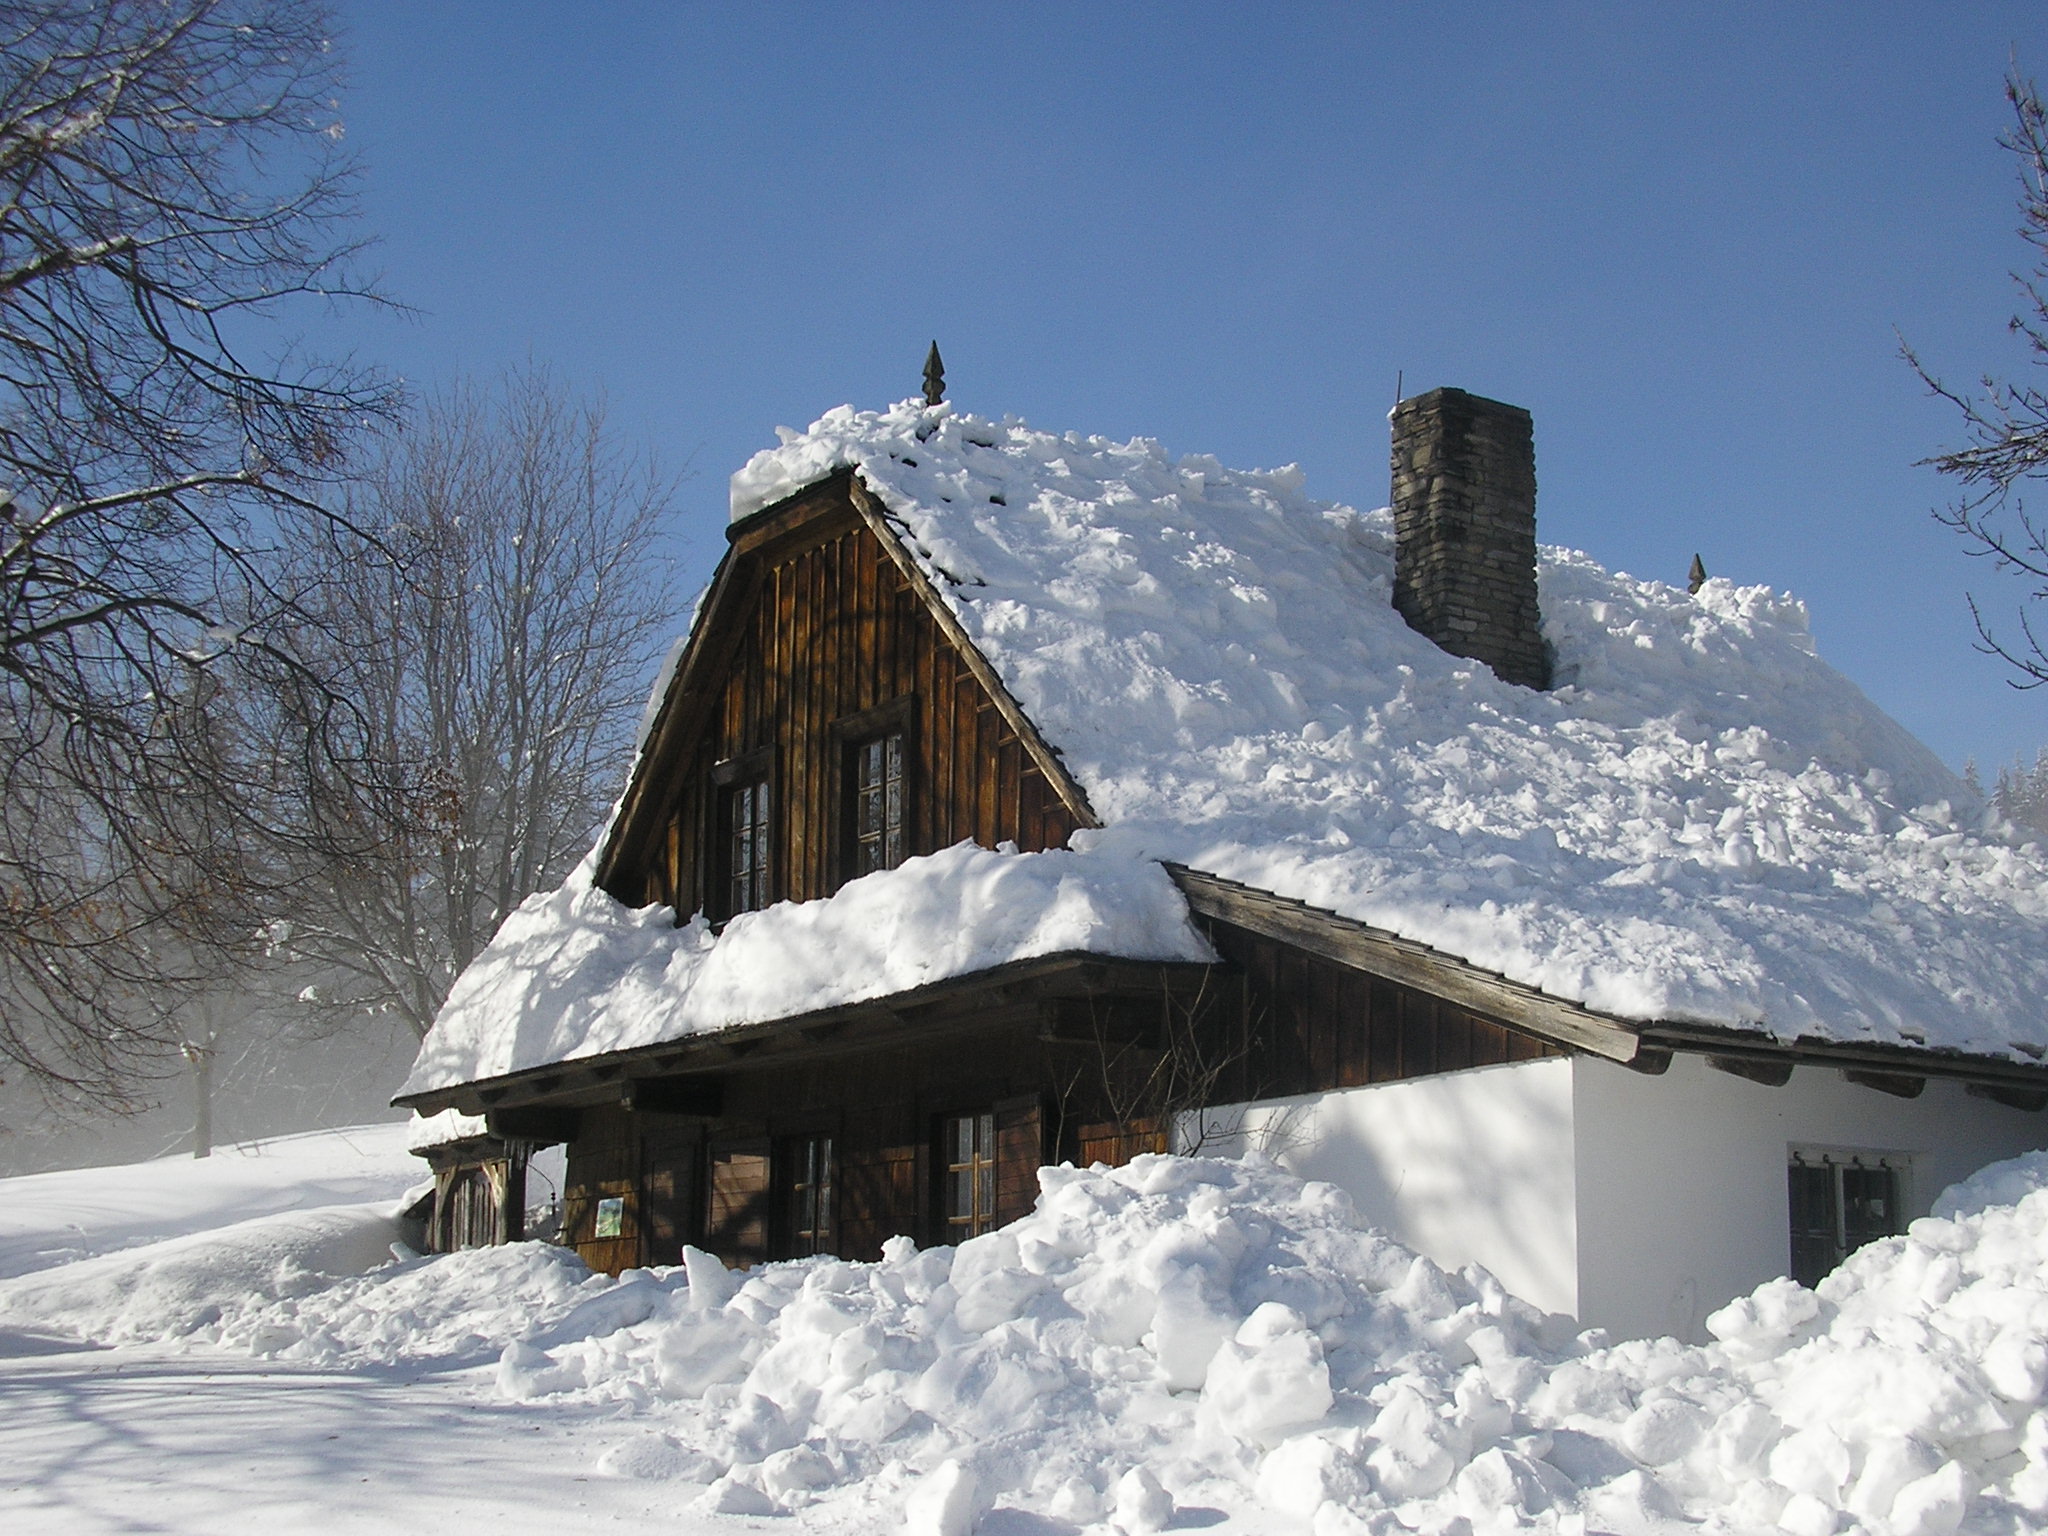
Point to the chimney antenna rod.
(934, 376)
(1397, 386)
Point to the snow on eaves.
(573, 973)
(1701, 822)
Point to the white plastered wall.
(1681, 1178)
(1472, 1166)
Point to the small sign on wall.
(611, 1217)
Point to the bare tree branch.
(495, 622)
(2005, 424)
(171, 191)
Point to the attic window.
(878, 803)
(1840, 1201)
(744, 879)
(874, 791)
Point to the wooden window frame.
(756, 768)
(848, 734)
(982, 1171)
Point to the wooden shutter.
(1020, 1152)
(736, 1222)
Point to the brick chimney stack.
(1465, 530)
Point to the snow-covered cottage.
(1019, 797)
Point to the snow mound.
(2005, 1183)
(573, 973)
(187, 1286)
(1189, 1335)
(1702, 821)
(47, 1219)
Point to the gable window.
(804, 1170)
(743, 840)
(873, 809)
(878, 803)
(1840, 1201)
(746, 850)
(968, 1143)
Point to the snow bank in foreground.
(55, 1218)
(1702, 821)
(573, 973)
(1182, 1334)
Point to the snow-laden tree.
(497, 622)
(2005, 423)
(172, 192)
(2021, 793)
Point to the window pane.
(1869, 1205)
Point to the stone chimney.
(1465, 530)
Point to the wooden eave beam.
(1380, 953)
(1858, 1060)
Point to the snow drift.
(1188, 1334)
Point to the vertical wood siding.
(828, 629)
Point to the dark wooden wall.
(825, 627)
(1274, 1021)
(1307, 1024)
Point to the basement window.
(1839, 1201)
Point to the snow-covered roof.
(1702, 822)
(573, 973)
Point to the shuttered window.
(970, 1195)
(1839, 1201)
(804, 1171)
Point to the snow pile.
(573, 973)
(48, 1219)
(1185, 1335)
(425, 1132)
(1703, 821)
(185, 1286)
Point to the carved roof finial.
(934, 376)
(1697, 576)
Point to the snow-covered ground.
(1181, 1344)
(48, 1219)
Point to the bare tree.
(496, 622)
(2005, 423)
(171, 189)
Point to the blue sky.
(1687, 239)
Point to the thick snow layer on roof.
(1702, 821)
(574, 973)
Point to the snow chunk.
(424, 1132)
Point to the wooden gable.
(819, 632)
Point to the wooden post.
(200, 1055)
